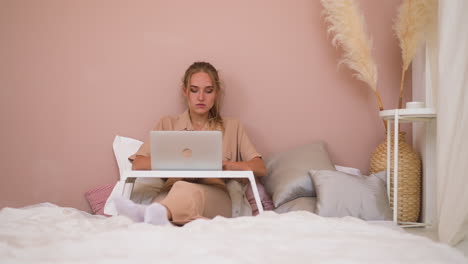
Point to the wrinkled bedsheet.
(46, 233)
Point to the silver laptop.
(186, 150)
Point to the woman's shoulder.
(231, 121)
(172, 122)
(232, 124)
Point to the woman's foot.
(156, 214)
(132, 210)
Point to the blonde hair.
(214, 116)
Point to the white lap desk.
(130, 176)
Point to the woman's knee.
(189, 189)
(184, 185)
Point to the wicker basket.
(409, 176)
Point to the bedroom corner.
(75, 75)
(78, 78)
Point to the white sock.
(156, 214)
(132, 210)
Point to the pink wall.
(73, 74)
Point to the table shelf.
(410, 115)
(400, 116)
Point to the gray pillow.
(299, 204)
(340, 194)
(288, 177)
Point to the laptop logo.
(187, 153)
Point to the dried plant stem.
(379, 101)
(400, 98)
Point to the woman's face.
(201, 94)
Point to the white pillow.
(144, 189)
(348, 170)
(124, 147)
(240, 204)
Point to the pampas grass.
(348, 29)
(411, 26)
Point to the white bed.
(46, 233)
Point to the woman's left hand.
(256, 165)
(235, 166)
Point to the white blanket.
(46, 233)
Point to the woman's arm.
(141, 163)
(256, 165)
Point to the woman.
(189, 199)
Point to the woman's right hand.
(141, 163)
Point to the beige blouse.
(236, 144)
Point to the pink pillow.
(97, 198)
(267, 203)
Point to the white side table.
(130, 176)
(398, 116)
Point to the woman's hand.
(256, 165)
(141, 163)
(235, 166)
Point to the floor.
(432, 234)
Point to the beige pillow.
(340, 194)
(288, 177)
(298, 204)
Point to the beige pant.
(189, 201)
